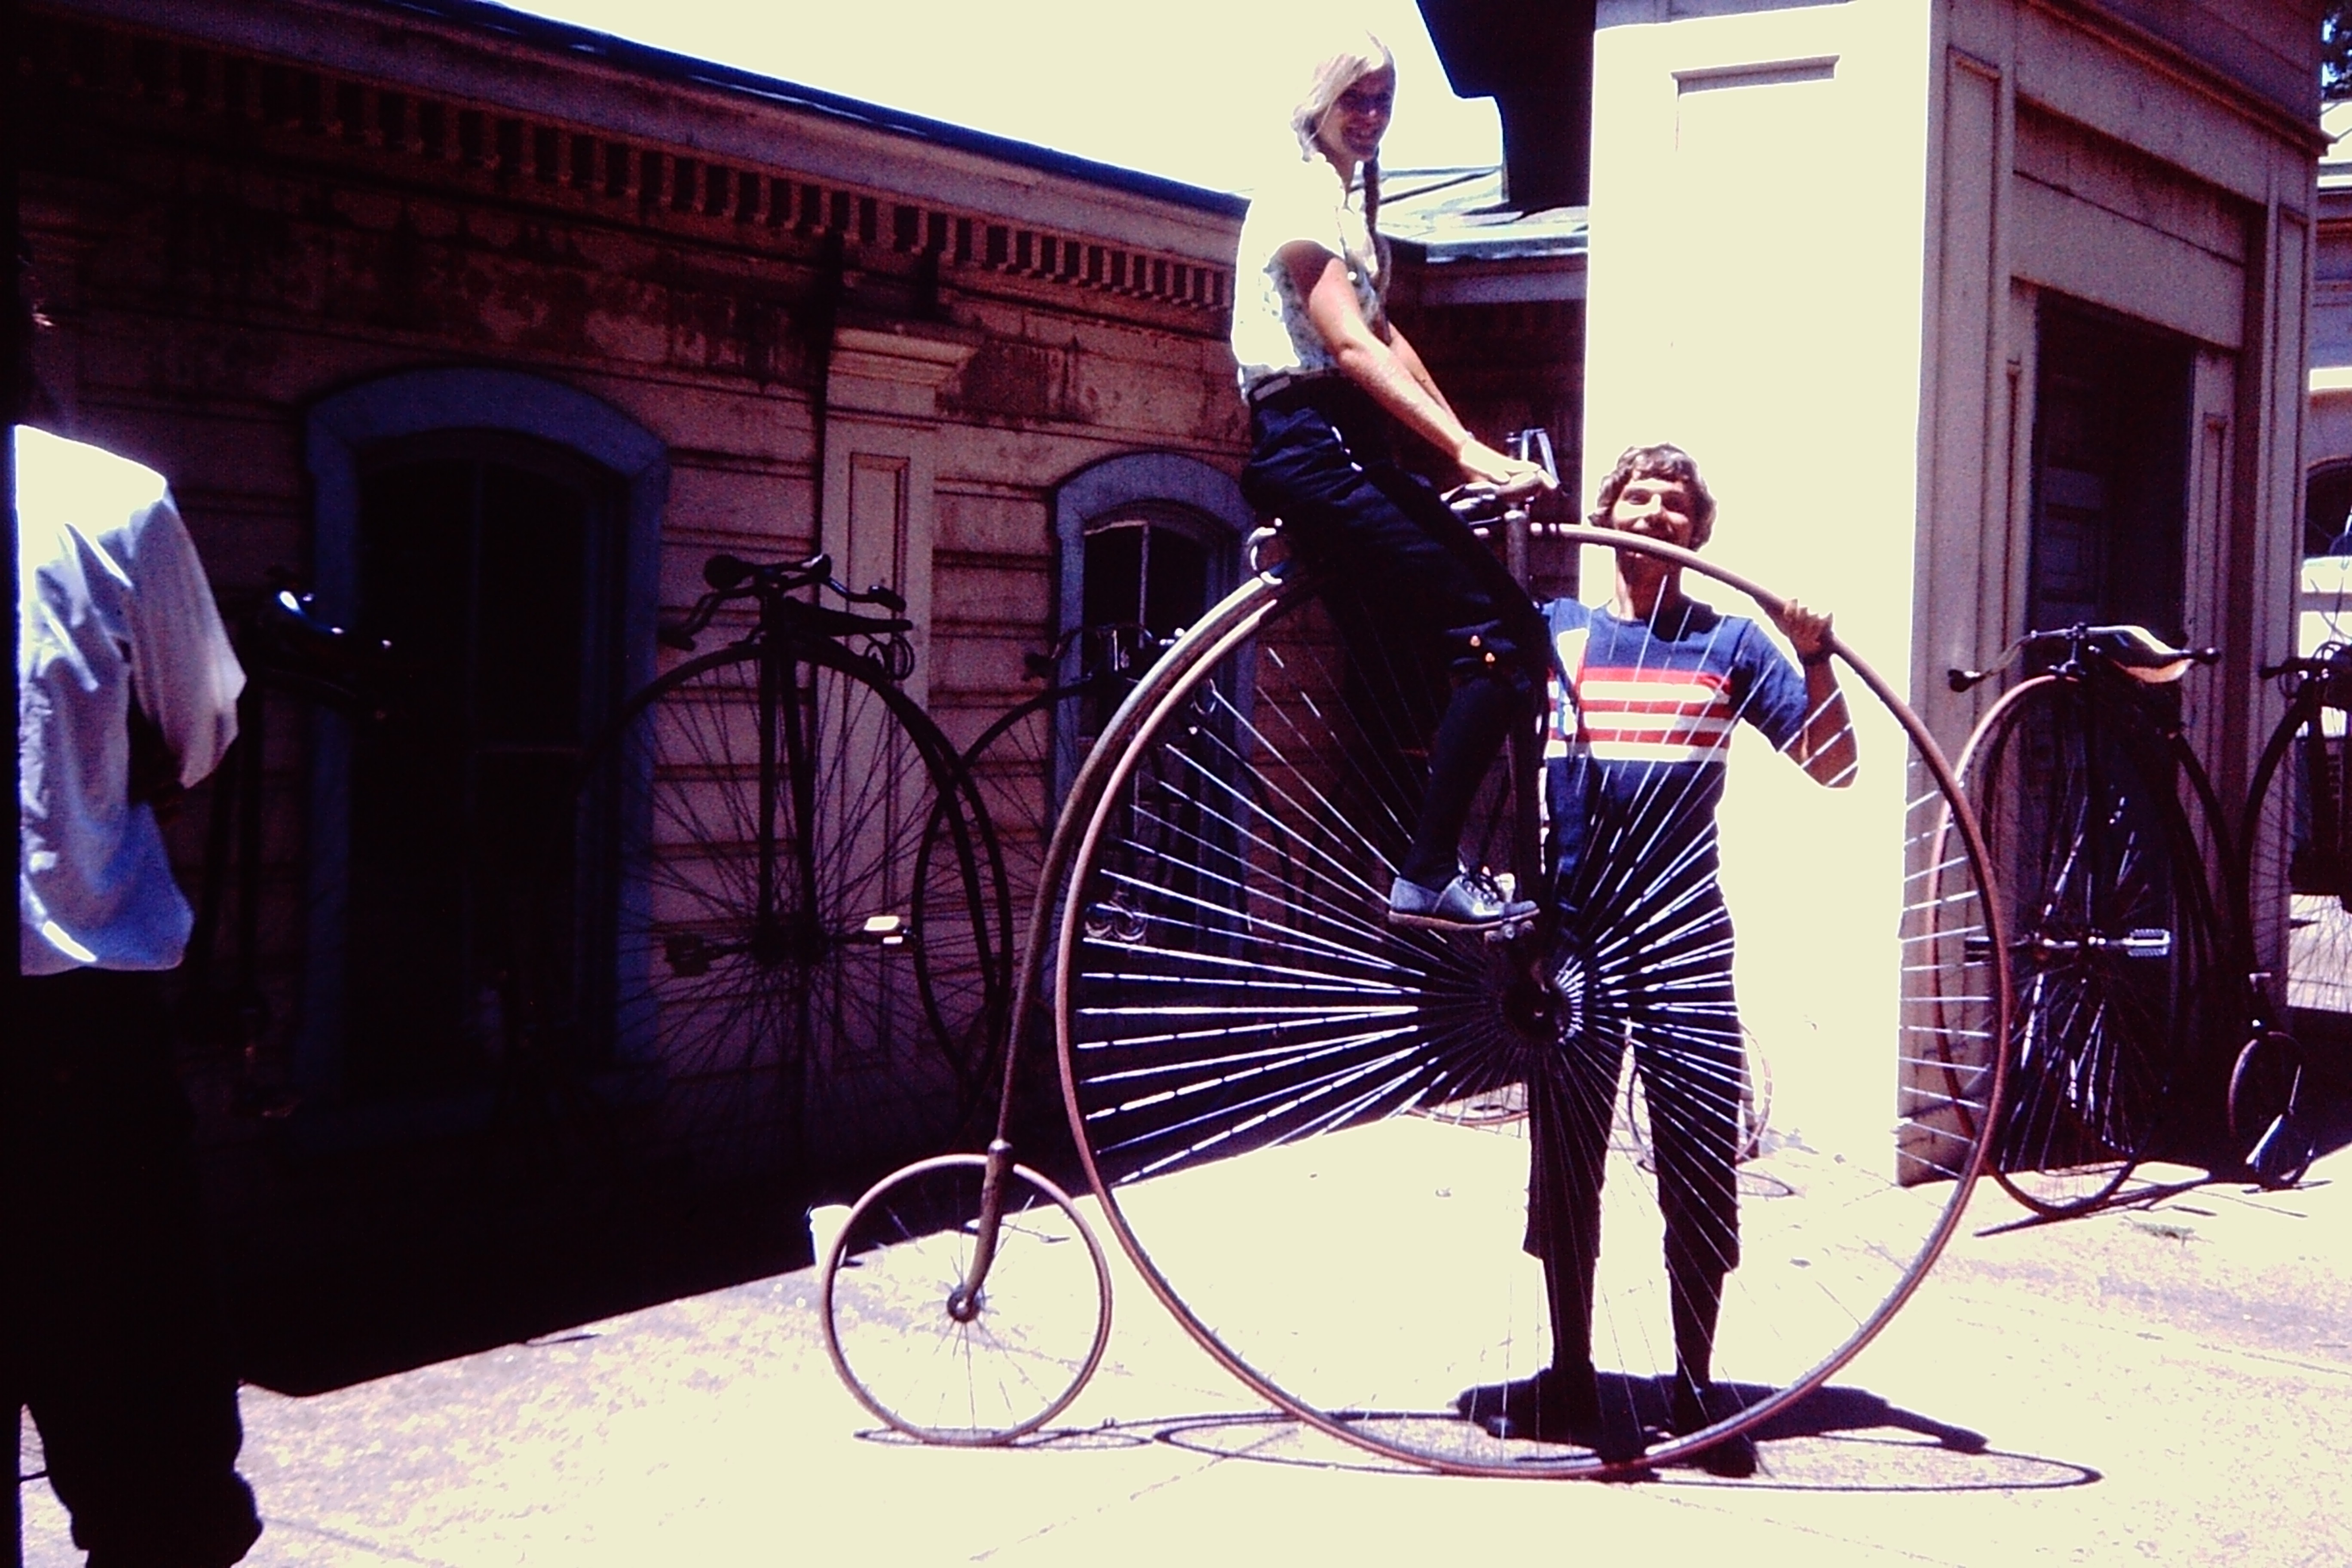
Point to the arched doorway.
(499, 531)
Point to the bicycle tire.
(2113, 935)
(803, 1042)
(2296, 876)
(1011, 767)
(2265, 1090)
(1010, 1362)
(1243, 1040)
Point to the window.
(468, 510)
(1146, 568)
(1152, 570)
(2324, 603)
(2111, 473)
(1149, 539)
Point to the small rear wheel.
(944, 1367)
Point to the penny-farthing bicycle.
(1244, 1041)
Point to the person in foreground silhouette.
(109, 1332)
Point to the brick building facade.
(379, 284)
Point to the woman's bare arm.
(1410, 359)
(1321, 279)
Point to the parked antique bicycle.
(2295, 855)
(2139, 983)
(1244, 1038)
(1022, 762)
(758, 948)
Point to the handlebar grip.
(890, 600)
(1533, 444)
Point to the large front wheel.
(2112, 944)
(1245, 1041)
(757, 961)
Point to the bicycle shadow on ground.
(1835, 1439)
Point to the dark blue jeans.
(1319, 461)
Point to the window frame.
(1169, 489)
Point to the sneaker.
(1469, 902)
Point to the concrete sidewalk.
(2151, 1385)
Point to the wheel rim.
(1228, 988)
(2112, 941)
(934, 1365)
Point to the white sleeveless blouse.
(1302, 201)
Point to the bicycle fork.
(964, 1300)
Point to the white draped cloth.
(113, 608)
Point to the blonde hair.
(1333, 76)
(1360, 57)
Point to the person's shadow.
(1824, 1412)
(1876, 1454)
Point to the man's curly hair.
(1660, 462)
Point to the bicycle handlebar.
(2333, 658)
(730, 576)
(1478, 503)
(284, 644)
(2133, 650)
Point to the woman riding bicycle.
(1324, 372)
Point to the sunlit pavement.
(2162, 1384)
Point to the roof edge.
(570, 41)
